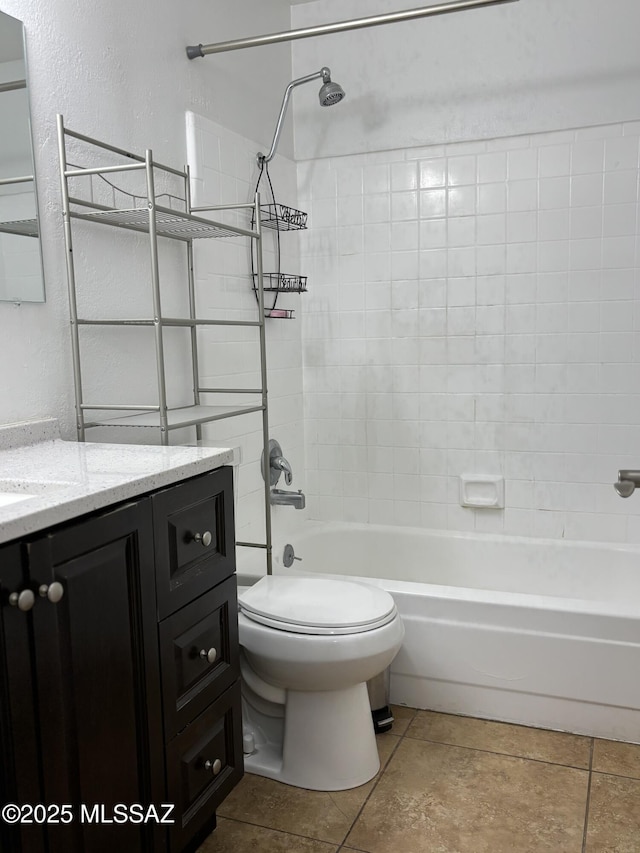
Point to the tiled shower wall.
(224, 171)
(475, 308)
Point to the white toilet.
(308, 646)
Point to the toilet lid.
(317, 605)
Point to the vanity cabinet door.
(97, 675)
(19, 751)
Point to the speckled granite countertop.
(59, 480)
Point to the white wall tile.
(433, 173)
(476, 309)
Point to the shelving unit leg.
(71, 283)
(157, 307)
(265, 402)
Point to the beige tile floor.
(452, 784)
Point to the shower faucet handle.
(281, 464)
(277, 464)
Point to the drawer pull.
(23, 601)
(54, 591)
(203, 538)
(213, 766)
(210, 656)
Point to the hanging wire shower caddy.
(278, 218)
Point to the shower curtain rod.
(194, 51)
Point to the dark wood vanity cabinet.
(126, 689)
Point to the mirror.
(21, 278)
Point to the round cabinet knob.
(203, 538)
(209, 655)
(54, 592)
(23, 601)
(213, 766)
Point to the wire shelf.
(280, 313)
(177, 418)
(279, 217)
(180, 226)
(279, 282)
(22, 227)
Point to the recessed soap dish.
(482, 491)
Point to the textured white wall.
(525, 67)
(118, 71)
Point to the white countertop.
(67, 479)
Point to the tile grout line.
(384, 770)
(277, 831)
(503, 754)
(586, 810)
(284, 832)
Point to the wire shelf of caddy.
(279, 282)
(280, 217)
(280, 313)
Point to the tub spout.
(627, 482)
(280, 497)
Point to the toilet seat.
(317, 606)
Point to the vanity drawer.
(194, 541)
(204, 763)
(199, 655)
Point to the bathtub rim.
(494, 597)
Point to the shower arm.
(325, 75)
(194, 51)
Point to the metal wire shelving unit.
(145, 215)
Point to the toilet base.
(329, 743)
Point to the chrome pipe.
(324, 74)
(194, 51)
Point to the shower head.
(330, 93)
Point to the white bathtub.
(539, 632)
